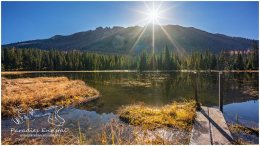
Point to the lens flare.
(152, 14)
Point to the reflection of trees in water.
(95, 105)
(241, 87)
(236, 86)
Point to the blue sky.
(23, 21)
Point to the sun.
(153, 16)
(151, 13)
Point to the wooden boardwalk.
(210, 128)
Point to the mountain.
(132, 40)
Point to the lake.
(240, 96)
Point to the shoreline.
(130, 71)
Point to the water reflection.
(249, 116)
(157, 89)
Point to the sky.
(22, 21)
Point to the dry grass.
(177, 114)
(56, 138)
(243, 135)
(43, 92)
(18, 141)
(119, 133)
(68, 138)
(241, 128)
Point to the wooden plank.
(219, 129)
(200, 134)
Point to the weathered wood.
(209, 128)
(195, 88)
(201, 129)
(219, 129)
(220, 92)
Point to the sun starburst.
(153, 14)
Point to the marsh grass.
(63, 139)
(119, 133)
(43, 92)
(244, 135)
(67, 138)
(244, 129)
(176, 114)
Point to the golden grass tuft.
(43, 92)
(176, 114)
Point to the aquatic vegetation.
(116, 132)
(243, 134)
(241, 128)
(176, 114)
(67, 138)
(130, 83)
(43, 92)
(14, 141)
(70, 137)
(113, 132)
(250, 91)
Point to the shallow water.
(240, 96)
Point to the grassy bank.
(43, 92)
(176, 114)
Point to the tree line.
(14, 59)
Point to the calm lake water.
(240, 95)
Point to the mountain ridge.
(127, 40)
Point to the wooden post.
(196, 90)
(220, 92)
